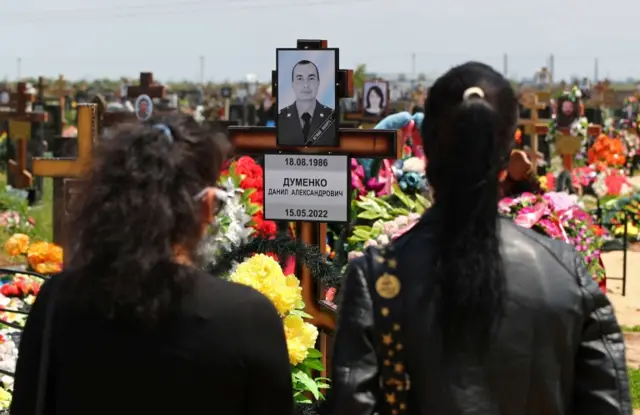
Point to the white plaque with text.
(311, 188)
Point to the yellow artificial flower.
(632, 230)
(301, 336)
(542, 180)
(17, 244)
(263, 273)
(45, 257)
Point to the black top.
(223, 352)
(558, 350)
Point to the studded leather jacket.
(559, 349)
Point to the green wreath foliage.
(284, 246)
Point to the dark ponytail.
(466, 151)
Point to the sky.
(84, 39)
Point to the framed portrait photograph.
(375, 98)
(568, 112)
(308, 104)
(143, 107)
(225, 92)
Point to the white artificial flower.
(382, 240)
(415, 165)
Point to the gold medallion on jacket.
(388, 286)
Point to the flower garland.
(264, 274)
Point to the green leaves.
(303, 382)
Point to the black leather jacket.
(559, 350)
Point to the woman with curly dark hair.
(133, 326)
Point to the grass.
(634, 379)
(42, 212)
(632, 329)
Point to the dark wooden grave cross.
(69, 169)
(147, 87)
(20, 130)
(353, 143)
(531, 127)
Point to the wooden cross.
(532, 126)
(20, 130)
(69, 169)
(146, 87)
(353, 143)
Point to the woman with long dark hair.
(133, 326)
(468, 313)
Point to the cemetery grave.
(579, 165)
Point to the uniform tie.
(306, 117)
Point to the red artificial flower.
(257, 197)
(264, 228)
(10, 290)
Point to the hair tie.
(472, 92)
(166, 130)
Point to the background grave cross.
(531, 127)
(69, 170)
(147, 87)
(20, 130)
(353, 143)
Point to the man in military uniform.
(298, 122)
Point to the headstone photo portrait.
(375, 98)
(143, 107)
(307, 103)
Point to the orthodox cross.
(20, 130)
(532, 125)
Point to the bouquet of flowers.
(263, 273)
(616, 211)
(608, 151)
(559, 216)
(42, 257)
(241, 215)
(611, 183)
(249, 176)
